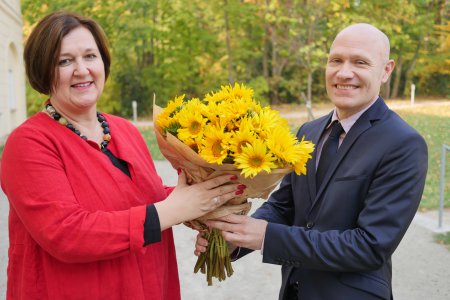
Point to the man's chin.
(344, 101)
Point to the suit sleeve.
(278, 209)
(388, 208)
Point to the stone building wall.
(12, 73)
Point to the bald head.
(366, 33)
(358, 64)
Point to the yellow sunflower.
(236, 108)
(165, 119)
(282, 144)
(241, 137)
(216, 97)
(211, 112)
(192, 123)
(230, 126)
(174, 104)
(195, 104)
(254, 159)
(193, 143)
(304, 150)
(219, 115)
(165, 122)
(266, 120)
(239, 91)
(214, 148)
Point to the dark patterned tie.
(329, 150)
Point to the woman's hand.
(188, 202)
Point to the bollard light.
(134, 106)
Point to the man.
(335, 239)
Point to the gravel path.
(421, 268)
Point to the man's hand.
(200, 244)
(242, 231)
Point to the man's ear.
(388, 68)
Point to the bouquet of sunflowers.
(228, 132)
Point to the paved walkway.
(421, 268)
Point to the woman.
(87, 217)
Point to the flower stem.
(215, 261)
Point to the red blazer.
(76, 221)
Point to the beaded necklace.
(63, 121)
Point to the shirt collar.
(347, 123)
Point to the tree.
(278, 47)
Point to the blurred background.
(164, 48)
(278, 48)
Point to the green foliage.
(109, 102)
(261, 89)
(436, 131)
(435, 84)
(279, 48)
(35, 100)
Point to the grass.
(443, 238)
(433, 123)
(152, 144)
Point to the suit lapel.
(362, 124)
(311, 164)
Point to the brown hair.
(41, 53)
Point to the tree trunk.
(387, 88)
(274, 62)
(309, 41)
(309, 88)
(408, 73)
(398, 75)
(309, 98)
(228, 42)
(265, 60)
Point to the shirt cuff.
(262, 245)
(235, 254)
(152, 227)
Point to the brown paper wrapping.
(198, 170)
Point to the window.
(12, 101)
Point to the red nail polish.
(239, 192)
(234, 177)
(241, 187)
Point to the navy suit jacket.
(337, 243)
